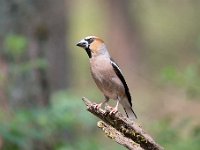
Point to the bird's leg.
(97, 106)
(115, 109)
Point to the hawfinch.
(107, 75)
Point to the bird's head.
(93, 45)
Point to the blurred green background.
(43, 75)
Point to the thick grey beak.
(82, 43)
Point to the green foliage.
(64, 125)
(165, 133)
(66, 116)
(15, 45)
(171, 136)
(28, 66)
(187, 79)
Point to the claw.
(113, 111)
(97, 106)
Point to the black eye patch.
(90, 40)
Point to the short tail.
(130, 113)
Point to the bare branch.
(125, 126)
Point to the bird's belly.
(109, 91)
(109, 85)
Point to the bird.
(107, 75)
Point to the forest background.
(43, 75)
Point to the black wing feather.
(119, 74)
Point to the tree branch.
(123, 130)
(118, 136)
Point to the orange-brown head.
(93, 45)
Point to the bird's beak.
(82, 43)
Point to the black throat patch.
(88, 52)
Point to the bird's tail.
(130, 113)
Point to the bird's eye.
(90, 40)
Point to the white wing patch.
(113, 63)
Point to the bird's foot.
(97, 106)
(113, 111)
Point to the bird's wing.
(119, 74)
